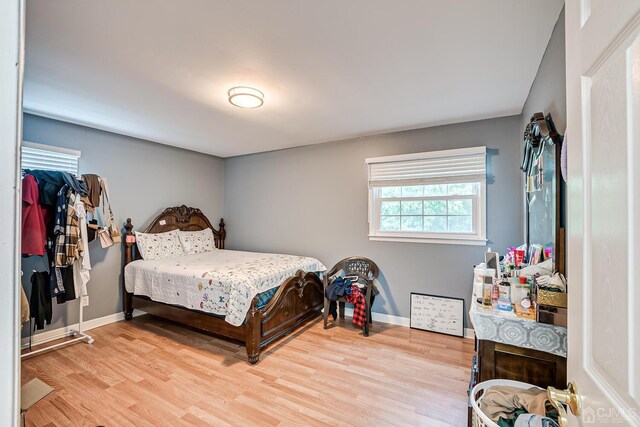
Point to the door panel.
(603, 109)
(634, 227)
(607, 286)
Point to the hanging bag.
(113, 230)
(104, 232)
(105, 239)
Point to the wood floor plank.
(150, 372)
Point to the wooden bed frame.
(299, 299)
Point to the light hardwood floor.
(149, 372)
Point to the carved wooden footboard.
(298, 300)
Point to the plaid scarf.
(359, 305)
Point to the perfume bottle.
(487, 290)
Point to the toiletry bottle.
(504, 291)
(531, 281)
(487, 287)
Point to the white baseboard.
(469, 333)
(400, 321)
(381, 317)
(47, 336)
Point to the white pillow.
(159, 245)
(197, 242)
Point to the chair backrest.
(362, 267)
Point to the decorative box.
(550, 298)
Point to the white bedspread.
(222, 282)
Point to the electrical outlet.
(85, 300)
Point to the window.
(436, 197)
(39, 156)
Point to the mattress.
(221, 282)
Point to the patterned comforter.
(221, 282)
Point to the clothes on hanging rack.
(68, 244)
(56, 280)
(40, 304)
(82, 265)
(92, 227)
(94, 188)
(59, 251)
(68, 291)
(34, 232)
(60, 216)
(50, 182)
(63, 201)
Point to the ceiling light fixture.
(245, 97)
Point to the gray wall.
(548, 95)
(144, 177)
(548, 91)
(313, 201)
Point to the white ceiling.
(329, 69)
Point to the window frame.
(477, 237)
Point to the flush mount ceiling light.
(245, 97)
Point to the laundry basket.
(478, 418)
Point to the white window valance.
(460, 165)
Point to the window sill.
(446, 241)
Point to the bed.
(250, 297)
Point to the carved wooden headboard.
(176, 218)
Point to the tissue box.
(552, 299)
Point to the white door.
(11, 38)
(603, 216)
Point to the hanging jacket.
(60, 217)
(68, 244)
(40, 304)
(82, 265)
(72, 245)
(50, 182)
(69, 292)
(34, 232)
(56, 280)
(93, 186)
